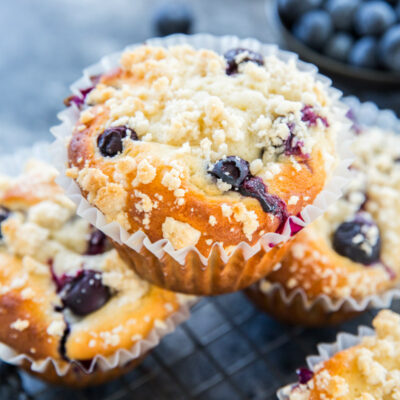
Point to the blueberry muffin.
(65, 294)
(366, 371)
(198, 148)
(350, 252)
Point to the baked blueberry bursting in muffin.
(235, 57)
(85, 293)
(183, 142)
(358, 239)
(110, 141)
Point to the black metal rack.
(227, 350)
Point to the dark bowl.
(327, 64)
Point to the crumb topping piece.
(370, 370)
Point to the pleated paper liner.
(326, 351)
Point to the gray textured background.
(46, 43)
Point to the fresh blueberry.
(4, 214)
(342, 12)
(339, 46)
(289, 10)
(364, 53)
(110, 141)
(304, 375)
(175, 17)
(234, 57)
(97, 243)
(253, 186)
(232, 170)
(86, 293)
(389, 48)
(314, 28)
(374, 18)
(359, 240)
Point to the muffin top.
(370, 370)
(197, 148)
(352, 250)
(64, 291)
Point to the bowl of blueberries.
(358, 39)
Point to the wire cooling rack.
(227, 350)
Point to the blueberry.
(253, 186)
(342, 12)
(389, 48)
(289, 10)
(314, 28)
(364, 53)
(293, 146)
(97, 243)
(310, 117)
(339, 46)
(304, 375)
(86, 293)
(4, 214)
(359, 240)
(110, 141)
(232, 170)
(234, 57)
(174, 17)
(374, 18)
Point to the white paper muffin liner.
(332, 190)
(12, 165)
(328, 350)
(366, 114)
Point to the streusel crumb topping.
(368, 371)
(192, 120)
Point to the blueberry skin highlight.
(343, 12)
(374, 18)
(364, 53)
(314, 28)
(389, 48)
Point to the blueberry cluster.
(236, 172)
(362, 33)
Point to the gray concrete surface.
(45, 44)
